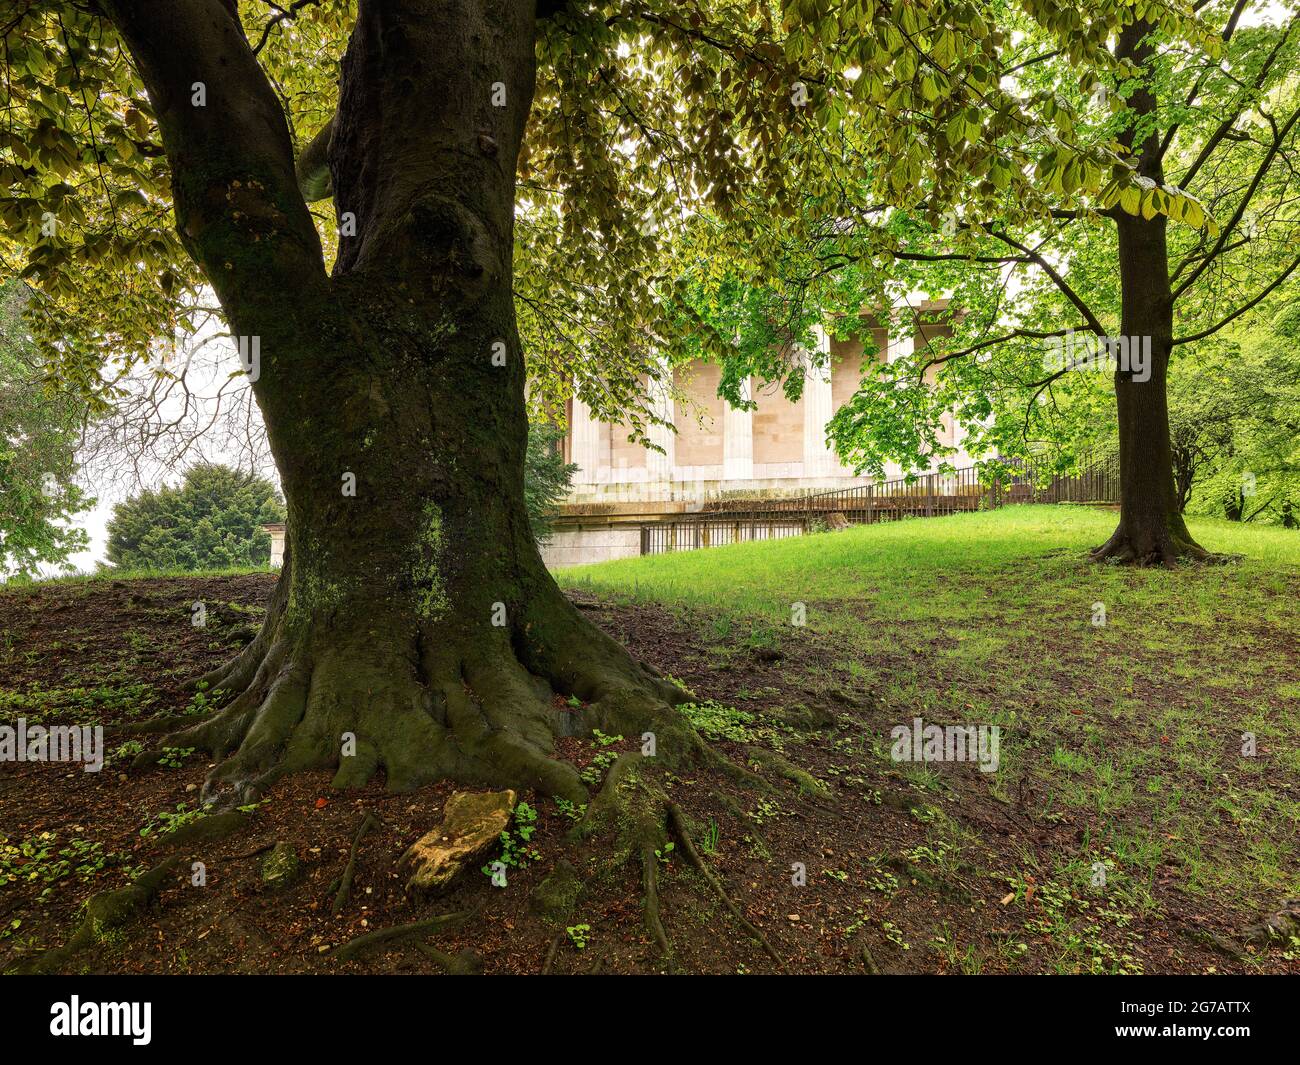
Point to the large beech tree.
(499, 172)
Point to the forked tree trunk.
(1151, 528)
(415, 628)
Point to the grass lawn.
(1128, 727)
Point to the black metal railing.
(737, 520)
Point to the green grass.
(1131, 730)
(886, 562)
(126, 575)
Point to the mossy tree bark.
(415, 628)
(1151, 527)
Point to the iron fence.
(727, 521)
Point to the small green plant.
(882, 880)
(126, 751)
(765, 811)
(204, 702)
(666, 853)
(595, 772)
(573, 811)
(718, 722)
(712, 834)
(40, 860)
(169, 821)
(174, 757)
(1292, 953)
(78, 705)
(579, 935)
(894, 934)
(604, 740)
(516, 851)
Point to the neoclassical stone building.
(778, 448)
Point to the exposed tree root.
(104, 912)
(1204, 937)
(678, 821)
(466, 963)
(261, 848)
(207, 829)
(425, 703)
(1163, 546)
(551, 952)
(355, 947)
(808, 784)
(345, 881)
(650, 893)
(237, 674)
(161, 723)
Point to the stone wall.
(576, 546)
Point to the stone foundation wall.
(577, 546)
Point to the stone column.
(585, 451)
(659, 466)
(818, 406)
(898, 346)
(738, 440)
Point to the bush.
(212, 521)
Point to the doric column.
(659, 466)
(585, 450)
(738, 440)
(818, 406)
(901, 342)
(898, 345)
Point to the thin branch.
(1094, 323)
(1229, 121)
(1241, 207)
(1244, 307)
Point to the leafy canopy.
(39, 431)
(664, 134)
(1033, 260)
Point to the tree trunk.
(415, 628)
(1151, 528)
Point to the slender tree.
(1070, 268)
